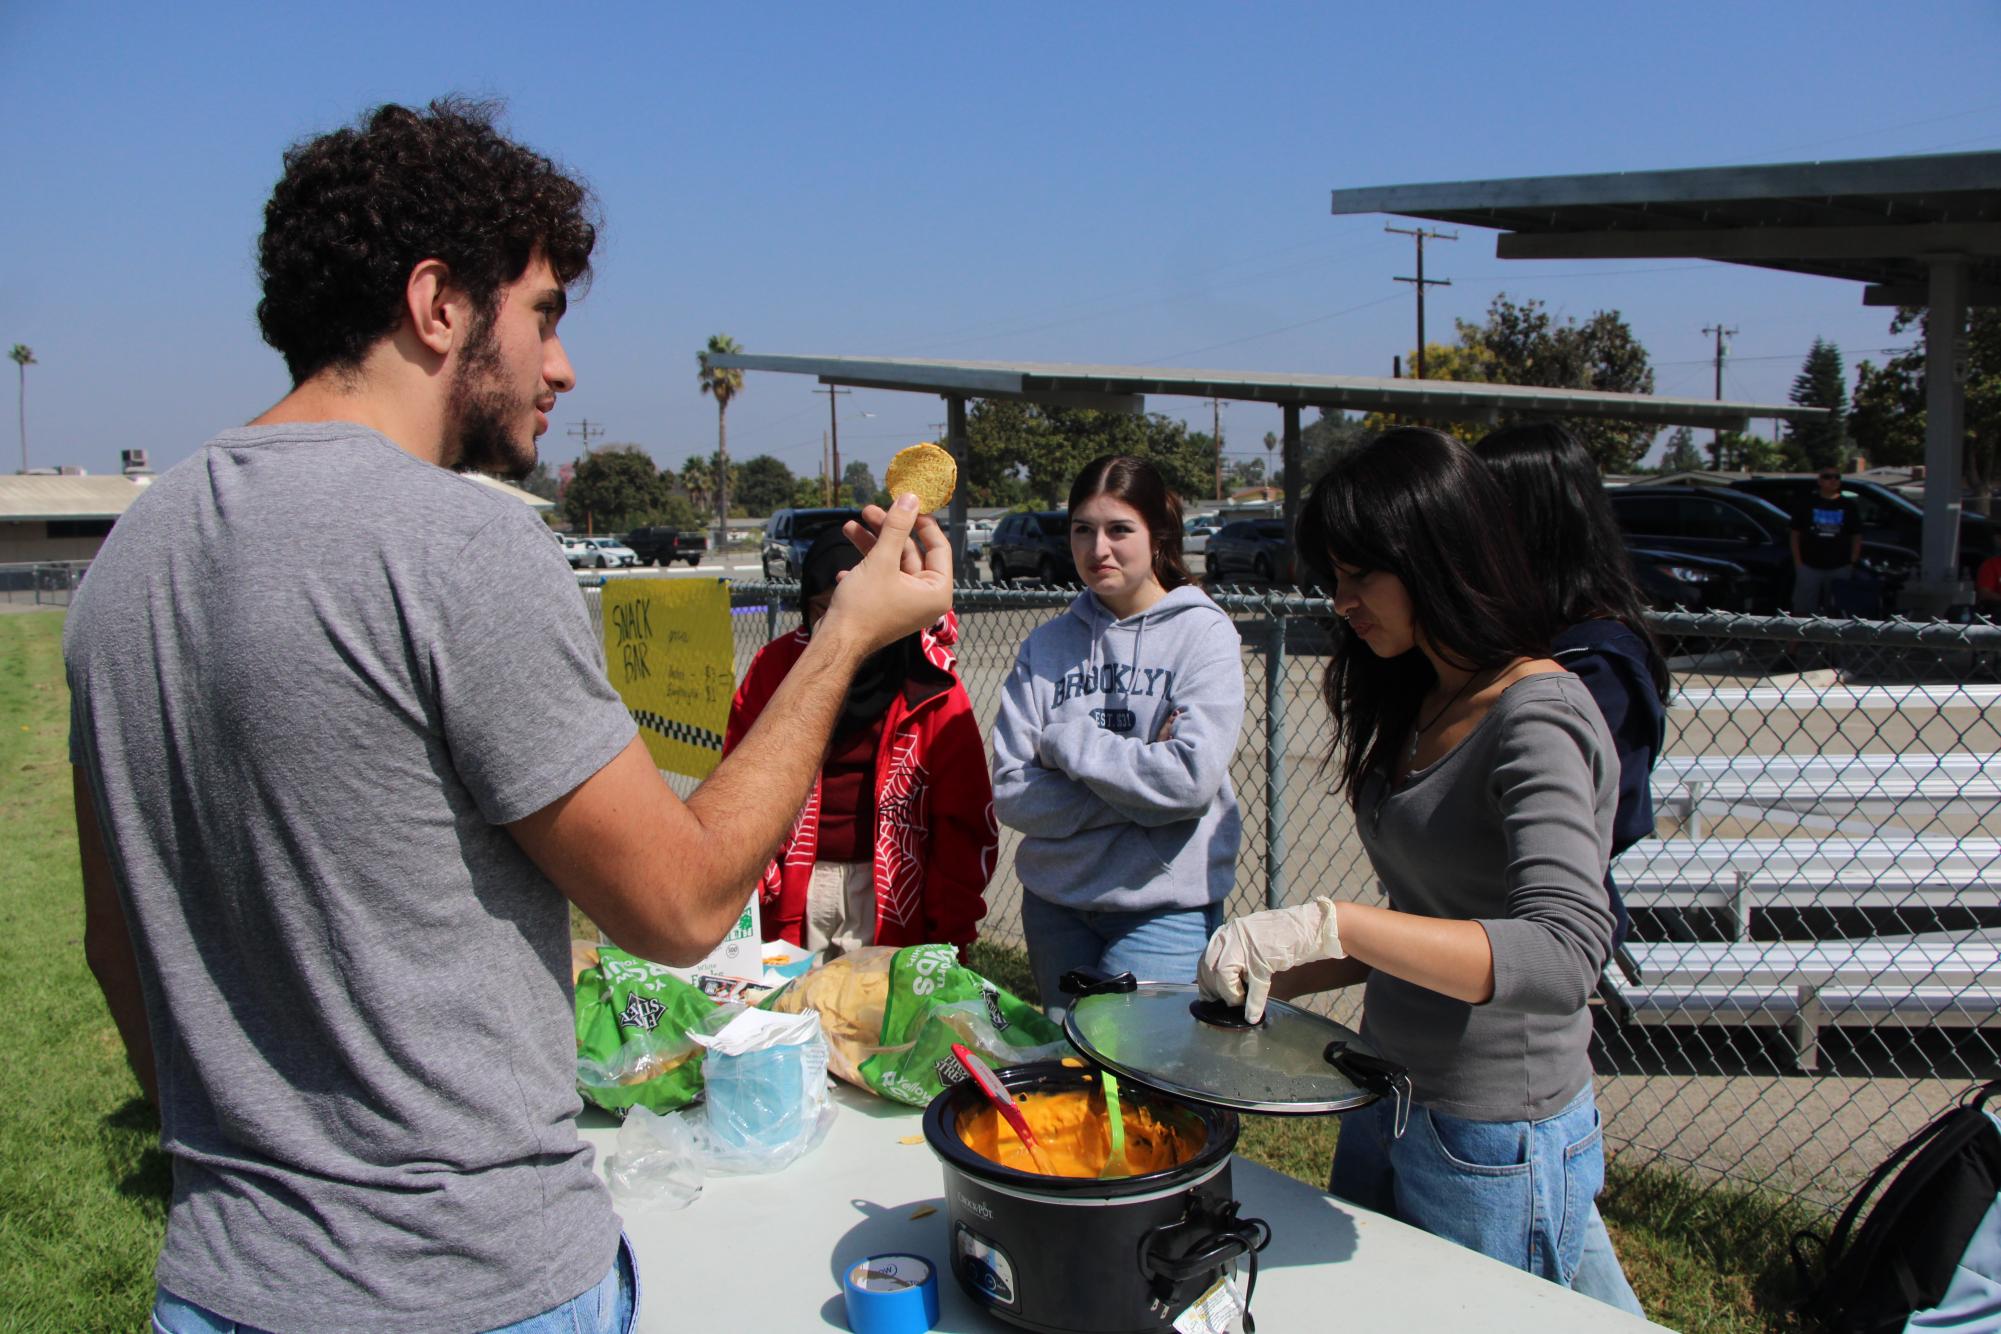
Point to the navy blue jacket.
(1611, 660)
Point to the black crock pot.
(1068, 1255)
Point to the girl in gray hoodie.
(1112, 750)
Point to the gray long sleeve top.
(1512, 829)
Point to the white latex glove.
(1238, 964)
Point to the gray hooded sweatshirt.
(1112, 819)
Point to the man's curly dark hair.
(357, 209)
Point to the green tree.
(721, 385)
(1244, 473)
(1332, 435)
(809, 492)
(1682, 454)
(1522, 344)
(23, 357)
(766, 484)
(1887, 414)
(1821, 383)
(1028, 451)
(857, 484)
(1744, 451)
(696, 477)
(540, 481)
(613, 488)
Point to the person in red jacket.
(896, 843)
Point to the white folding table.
(767, 1252)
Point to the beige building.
(66, 517)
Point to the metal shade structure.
(1918, 231)
(1124, 389)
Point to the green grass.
(83, 1184)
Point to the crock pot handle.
(1233, 1238)
(1383, 1078)
(1095, 982)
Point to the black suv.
(1033, 546)
(664, 546)
(1886, 515)
(1731, 525)
(789, 532)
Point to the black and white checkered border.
(688, 735)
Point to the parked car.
(1035, 545)
(1255, 547)
(1196, 532)
(663, 546)
(575, 550)
(979, 533)
(1682, 581)
(1723, 523)
(789, 532)
(1887, 516)
(603, 553)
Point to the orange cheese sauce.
(1076, 1137)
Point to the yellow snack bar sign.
(667, 648)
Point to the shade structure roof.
(1125, 387)
(1873, 220)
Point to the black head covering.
(883, 673)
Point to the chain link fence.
(1816, 927)
(41, 583)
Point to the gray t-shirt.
(1512, 829)
(312, 676)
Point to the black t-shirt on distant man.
(1827, 530)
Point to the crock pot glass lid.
(1151, 1033)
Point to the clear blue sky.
(1119, 182)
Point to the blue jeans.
(1523, 1192)
(608, 1308)
(1160, 946)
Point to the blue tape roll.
(891, 1294)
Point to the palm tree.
(695, 481)
(722, 385)
(24, 357)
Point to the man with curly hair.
(331, 806)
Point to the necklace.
(1417, 733)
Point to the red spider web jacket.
(935, 833)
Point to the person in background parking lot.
(1112, 749)
(896, 844)
(1827, 541)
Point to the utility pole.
(826, 478)
(1716, 437)
(586, 431)
(1216, 419)
(1422, 282)
(834, 432)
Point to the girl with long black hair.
(1483, 781)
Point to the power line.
(586, 432)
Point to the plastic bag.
(766, 1084)
(891, 1016)
(655, 1164)
(633, 1019)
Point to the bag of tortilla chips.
(633, 1019)
(891, 1016)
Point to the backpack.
(1928, 1257)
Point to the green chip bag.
(892, 1015)
(633, 1019)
